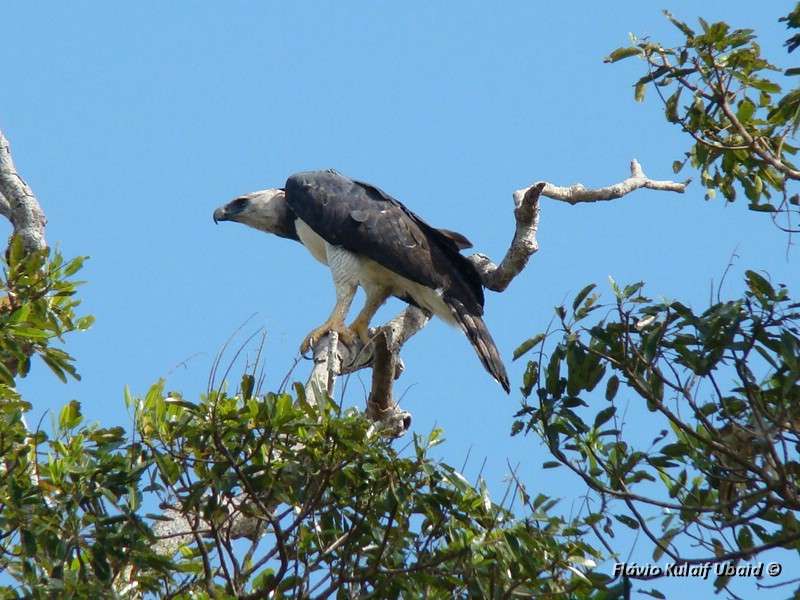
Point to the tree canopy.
(252, 493)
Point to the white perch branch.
(577, 193)
(18, 204)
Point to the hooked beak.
(230, 210)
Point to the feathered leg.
(376, 296)
(343, 268)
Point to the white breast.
(368, 273)
(311, 240)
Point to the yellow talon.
(361, 329)
(346, 335)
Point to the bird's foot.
(346, 335)
(361, 329)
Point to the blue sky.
(133, 122)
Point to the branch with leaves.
(726, 452)
(719, 89)
(320, 504)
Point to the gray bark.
(18, 203)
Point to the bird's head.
(265, 210)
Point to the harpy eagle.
(368, 238)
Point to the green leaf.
(759, 286)
(169, 469)
(29, 332)
(631, 289)
(766, 207)
(74, 266)
(181, 402)
(665, 541)
(745, 539)
(611, 387)
(70, 415)
(6, 376)
(621, 53)
(671, 108)
(604, 416)
(582, 296)
(638, 92)
(525, 346)
(626, 520)
(551, 464)
(84, 323)
(765, 85)
(615, 287)
(745, 110)
(687, 31)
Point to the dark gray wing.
(459, 240)
(369, 222)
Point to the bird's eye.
(238, 205)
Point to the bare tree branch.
(381, 406)
(176, 529)
(526, 215)
(523, 244)
(18, 204)
(578, 193)
(5, 207)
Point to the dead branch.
(380, 397)
(176, 528)
(381, 406)
(578, 193)
(523, 244)
(18, 203)
(526, 214)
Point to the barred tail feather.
(480, 338)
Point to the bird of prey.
(368, 238)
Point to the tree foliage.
(327, 506)
(255, 494)
(724, 388)
(68, 501)
(721, 91)
(249, 495)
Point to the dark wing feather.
(369, 222)
(459, 240)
